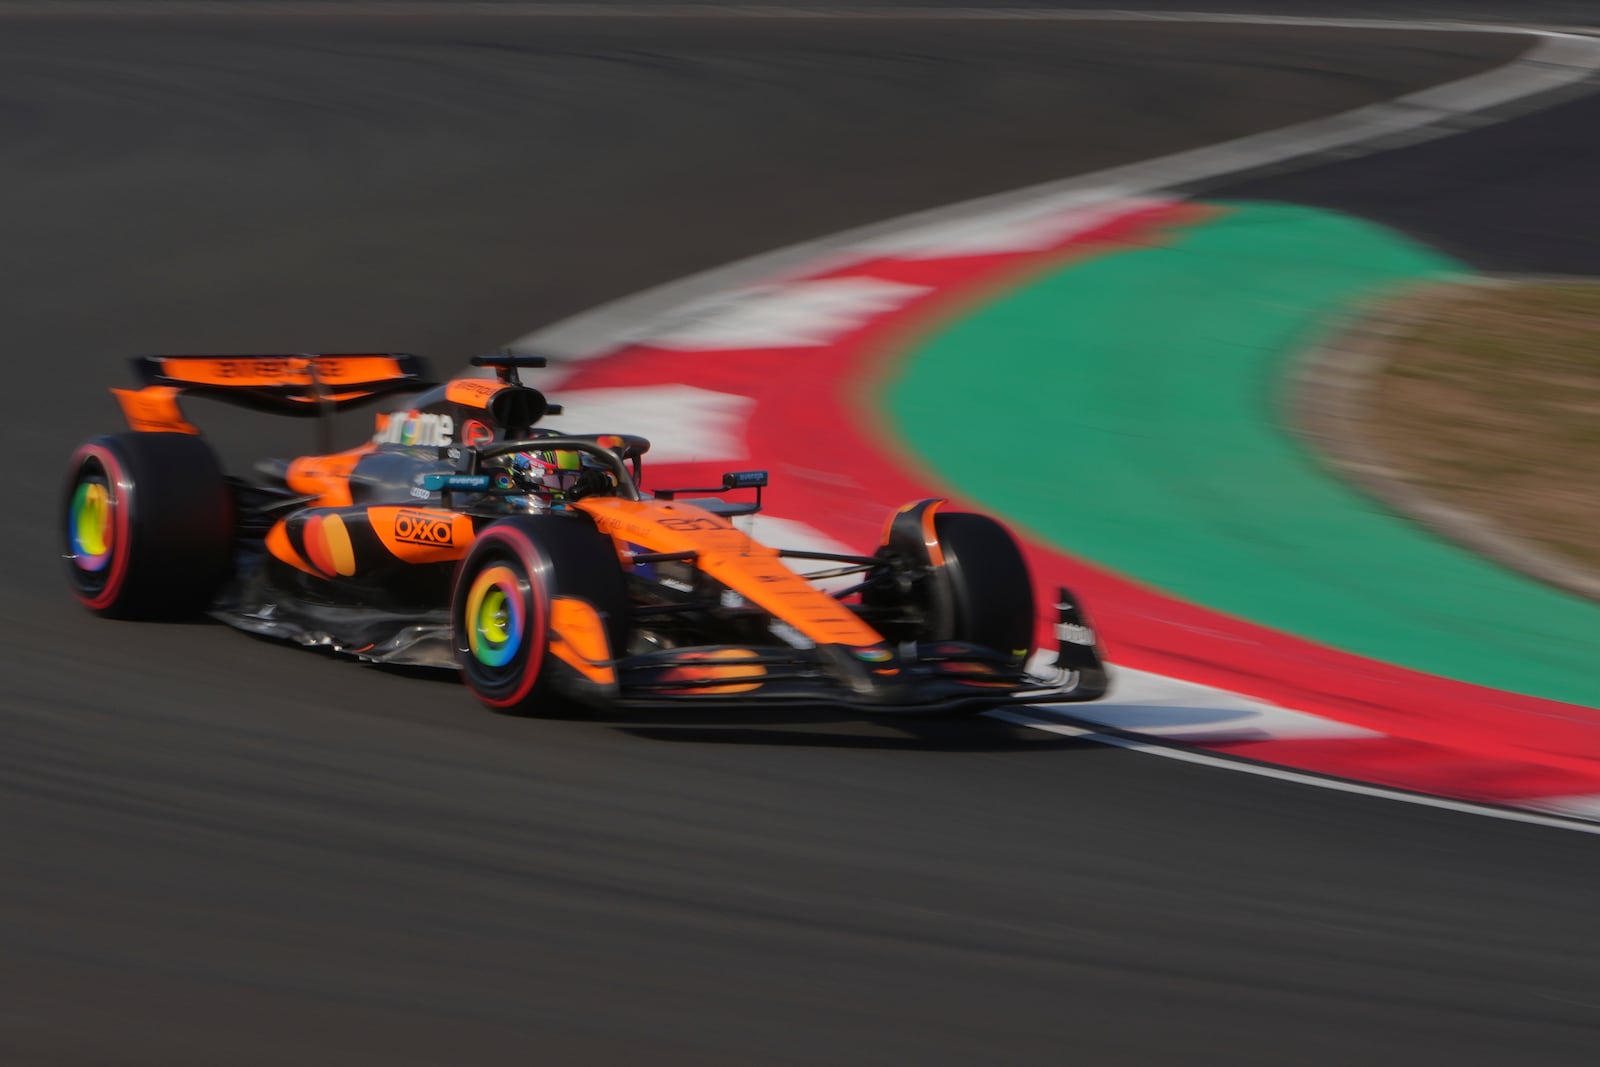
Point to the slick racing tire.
(147, 525)
(500, 612)
(972, 583)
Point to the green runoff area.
(1136, 405)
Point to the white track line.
(1038, 719)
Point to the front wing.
(915, 679)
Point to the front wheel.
(521, 577)
(967, 580)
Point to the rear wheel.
(147, 525)
(970, 584)
(505, 595)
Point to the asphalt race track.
(220, 850)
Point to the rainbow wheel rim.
(92, 525)
(496, 616)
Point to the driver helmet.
(551, 474)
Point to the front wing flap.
(917, 677)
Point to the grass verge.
(1489, 401)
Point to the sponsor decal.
(251, 368)
(418, 428)
(690, 524)
(272, 371)
(874, 655)
(328, 546)
(280, 371)
(476, 433)
(462, 482)
(976, 674)
(419, 534)
(421, 528)
(730, 663)
(473, 392)
(1074, 634)
(789, 635)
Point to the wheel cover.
(496, 618)
(92, 525)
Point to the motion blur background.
(222, 850)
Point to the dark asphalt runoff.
(218, 850)
(1529, 204)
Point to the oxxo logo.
(423, 429)
(421, 528)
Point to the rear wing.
(303, 384)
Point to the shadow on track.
(926, 735)
(766, 726)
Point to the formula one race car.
(462, 535)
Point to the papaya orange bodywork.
(256, 372)
(732, 557)
(578, 639)
(930, 535)
(326, 477)
(278, 544)
(422, 535)
(472, 392)
(153, 409)
(733, 664)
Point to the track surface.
(1529, 207)
(221, 850)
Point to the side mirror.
(744, 480)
